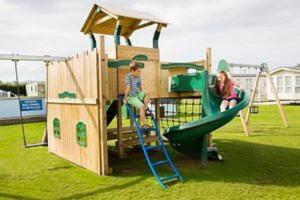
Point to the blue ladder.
(159, 146)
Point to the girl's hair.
(226, 90)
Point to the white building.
(35, 89)
(287, 83)
(6, 94)
(247, 81)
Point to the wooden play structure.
(82, 90)
(260, 70)
(87, 120)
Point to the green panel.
(187, 83)
(81, 137)
(155, 39)
(120, 63)
(67, 94)
(181, 65)
(141, 57)
(117, 33)
(56, 128)
(128, 42)
(93, 41)
(223, 66)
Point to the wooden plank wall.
(154, 79)
(77, 75)
(149, 74)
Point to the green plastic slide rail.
(181, 65)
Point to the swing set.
(261, 70)
(16, 58)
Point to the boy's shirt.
(134, 83)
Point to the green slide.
(191, 138)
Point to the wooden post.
(243, 121)
(204, 152)
(45, 134)
(208, 68)
(102, 81)
(208, 60)
(252, 96)
(281, 111)
(157, 114)
(120, 146)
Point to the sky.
(241, 31)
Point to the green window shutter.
(56, 128)
(81, 136)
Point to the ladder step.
(138, 115)
(148, 129)
(144, 139)
(168, 178)
(160, 162)
(153, 147)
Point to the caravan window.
(279, 83)
(297, 85)
(288, 84)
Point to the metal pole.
(45, 136)
(30, 58)
(19, 100)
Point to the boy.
(134, 94)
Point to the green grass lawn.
(265, 165)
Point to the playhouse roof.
(103, 18)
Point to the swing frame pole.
(19, 102)
(15, 58)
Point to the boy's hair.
(134, 66)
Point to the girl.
(225, 88)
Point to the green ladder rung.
(160, 162)
(169, 178)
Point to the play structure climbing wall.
(75, 109)
(150, 66)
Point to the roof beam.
(144, 25)
(102, 20)
(99, 9)
(156, 35)
(132, 28)
(87, 23)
